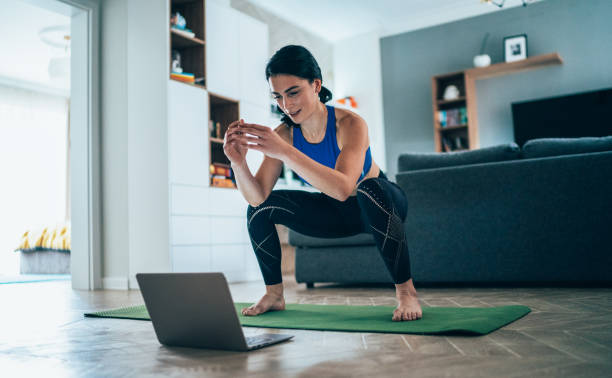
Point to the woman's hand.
(264, 139)
(234, 145)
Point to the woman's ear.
(318, 84)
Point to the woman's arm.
(255, 189)
(340, 182)
(337, 183)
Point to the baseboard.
(134, 283)
(115, 283)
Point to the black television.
(587, 114)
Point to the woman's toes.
(397, 316)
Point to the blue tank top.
(326, 152)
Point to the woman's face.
(297, 97)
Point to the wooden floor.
(568, 333)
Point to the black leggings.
(378, 208)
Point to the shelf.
(223, 165)
(451, 75)
(223, 187)
(192, 50)
(445, 102)
(465, 81)
(222, 112)
(180, 41)
(500, 69)
(450, 128)
(190, 84)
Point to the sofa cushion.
(544, 147)
(297, 239)
(428, 160)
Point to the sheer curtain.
(33, 167)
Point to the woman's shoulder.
(285, 131)
(346, 119)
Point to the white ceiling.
(25, 58)
(336, 20)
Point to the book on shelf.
(214, 127)
(183, 76)
(184, 32)
(186, 75)
(446, 145)
(453, 144)
(452, 117)
(222, 182)
(220, 170)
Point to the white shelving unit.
(208, 224)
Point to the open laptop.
(197, 310)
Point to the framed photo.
(515, 48)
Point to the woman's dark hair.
(297, 61)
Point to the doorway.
(49, 127)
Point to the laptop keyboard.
(260, 339)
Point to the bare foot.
(408, 307)
(273, 300)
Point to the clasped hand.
(241, 136)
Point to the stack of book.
(221, 176)
(452, 117)
(183, 76)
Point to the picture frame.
(515, 48)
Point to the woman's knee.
(251, 209)
(277, 202)
(370, 192)
(370, 187)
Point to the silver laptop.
(197, 310)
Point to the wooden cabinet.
(456, 119)
(451, 127)
(223, 111)
(189, 42)
(229, 50)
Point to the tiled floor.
(568, 333)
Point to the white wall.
(282, 33)
(357, 73)
(147, 78)
(134, 140)
(114, 118)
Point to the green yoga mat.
(436, 320)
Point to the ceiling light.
(58, 37)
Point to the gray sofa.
(540, 214)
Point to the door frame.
(84, 139)
(85, 152)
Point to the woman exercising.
(329, 149)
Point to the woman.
(329, 149)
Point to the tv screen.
(587, 114)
